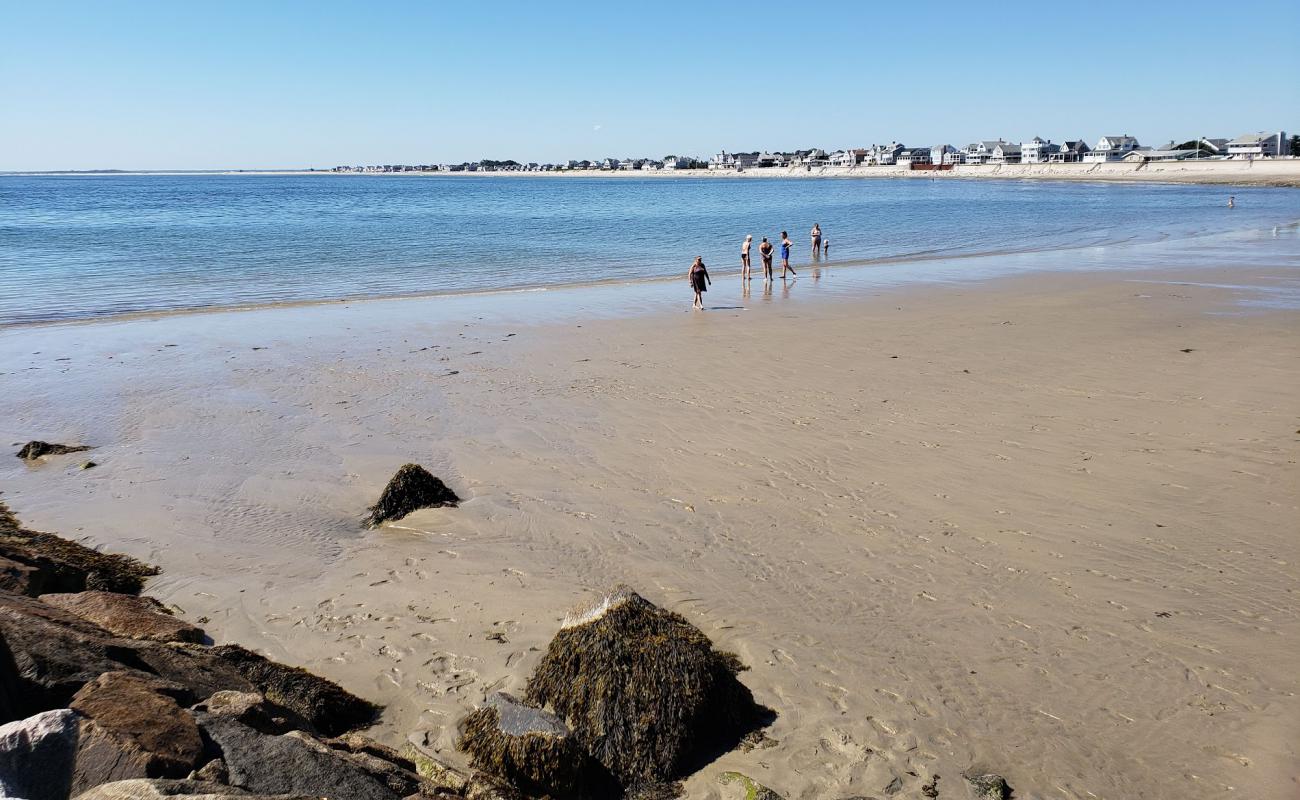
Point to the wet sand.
(1040, 525)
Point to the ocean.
(80, 247)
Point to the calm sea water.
(89, 246)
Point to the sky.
(285, 84)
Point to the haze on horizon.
(153, 85)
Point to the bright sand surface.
(1042, 525)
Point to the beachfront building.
(766, 159)
(979, 152)
(887, 154)
(1070, 152)
(627, 164)
(1111, 148)
(944, 154)
(1005, 153)
(1258, 145)
(913, 155)
(849, 158)
(1037, 151)
(723, 160)
(676, 162)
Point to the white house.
(676, 162)
(979, 152)
(1037, 151)
(849, 158)
(723, 160)
(1005, 153)
(1111, 148)
(1258, 145)
(941, 153)
(887, 154)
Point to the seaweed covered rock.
(42, 562)
(531, 749)
(329, 708)
(750, 789)
(988, 786)
(36, 449)
(643, 690)
(140, 789)
(413, 487)
(255, 711)
(127, 615)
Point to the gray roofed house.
(1005, 153)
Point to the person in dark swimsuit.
(699, 278)
(786, 244)
(765, 250)
(744, 258)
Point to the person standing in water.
(699, 278)
(816, 239)
(744, 258)
(786, 244)
(1232, 201)
(765, 251)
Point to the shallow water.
(75, 247)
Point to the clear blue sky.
(203, 85)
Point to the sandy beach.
(1042, 525)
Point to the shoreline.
(1283, 173)
(938, 520)
(654, 283)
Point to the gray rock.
(255, 711)
(104, 757)
(128, 616)
(287, 764)
(37, 754)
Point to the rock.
(214, 771)
(127, 616)
(372, 758)
(433, 770)
(323, 703)
(482, 786)
(52, 653)
(87, 465)
(411, 488)
(531, 749)
(37, 754)
(61, 565)
(104, 757)
(752, 789)
(21, 578)
(197, 668)
(255, 711)
(151, 727)
(288, 764)
(987, 786)
(643, 690)
(158, 789)
(36, 449)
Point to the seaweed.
(411, 488)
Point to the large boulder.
(328, 707)
(43, 562)
(532, 749)
(288, 764)
(139, 789)
(53, 653)
(147, 724)
(643, 690)
(36, 449)
(255, 711)
(413, 487)
(37, 754)
(128, 616)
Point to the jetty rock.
(643, 690)
(36, 449)
(33, 563)
(411, 488)
(532, 750)
(128, 616)
(36, 755)
(139, 789)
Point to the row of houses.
(1034, 151)
(606, 164)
